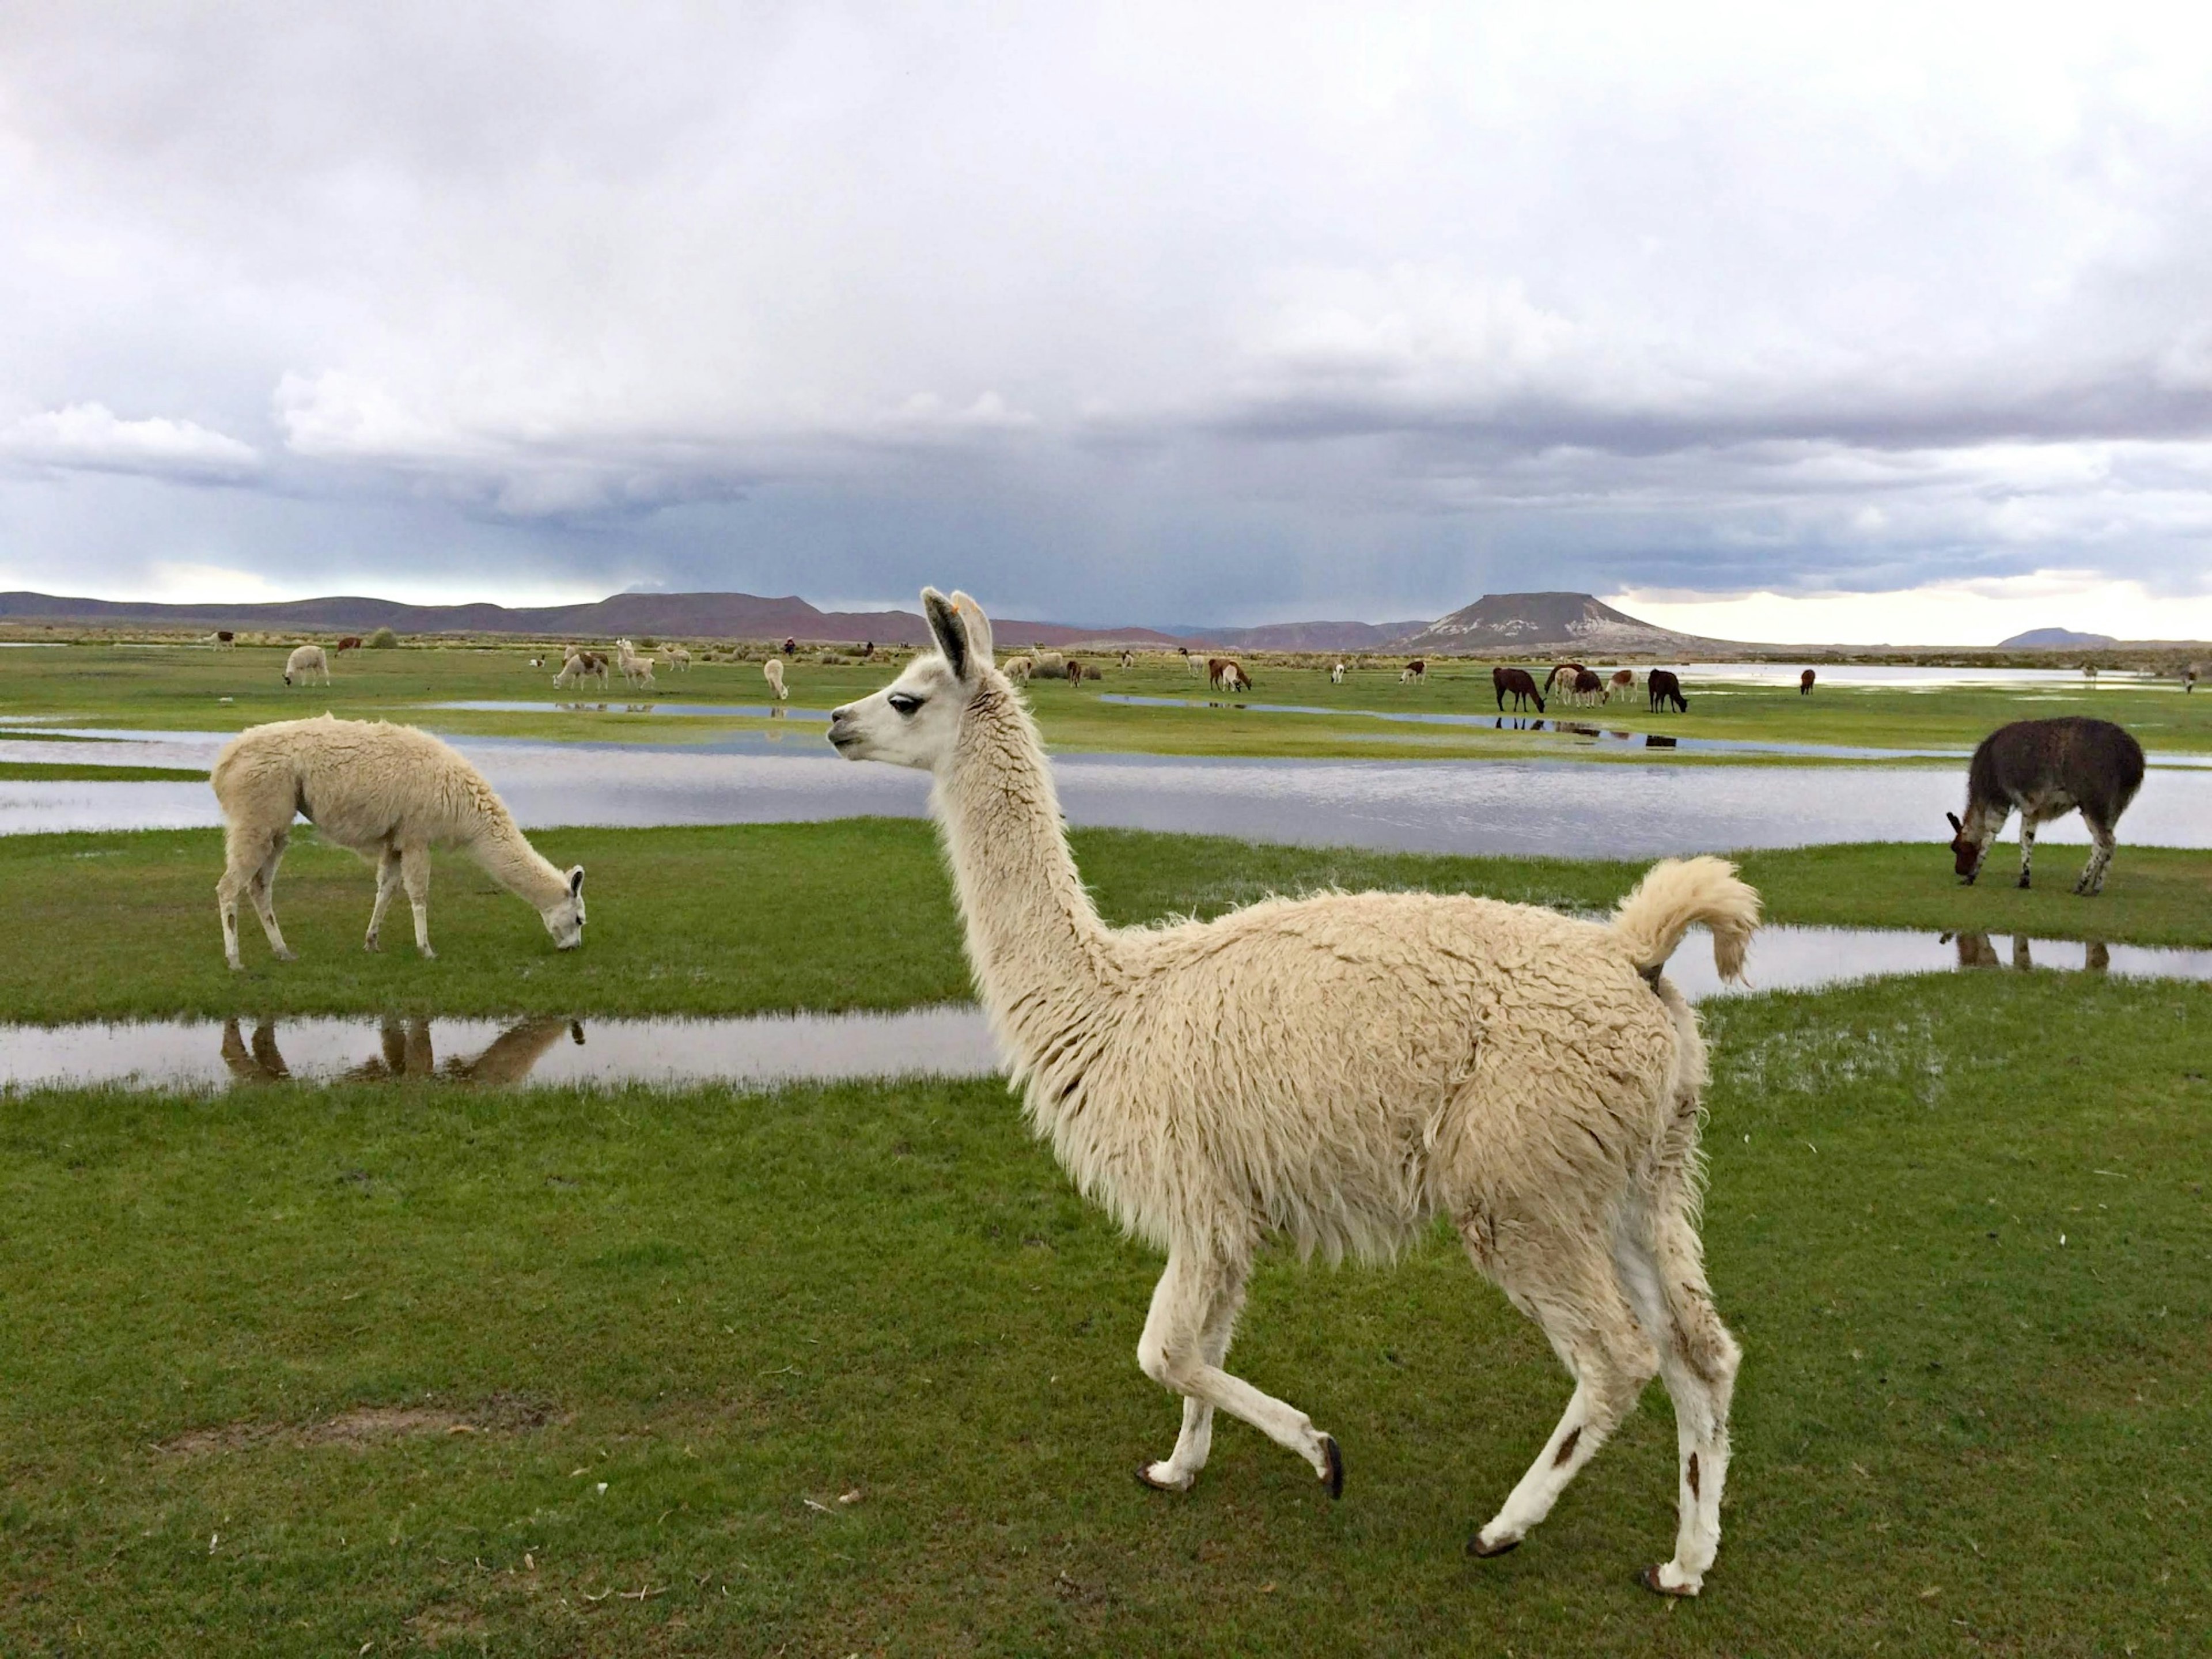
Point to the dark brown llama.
(1661, 687)
(2044, 769)
(1514, 683)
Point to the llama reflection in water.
(408, 1052)
(1975, 950)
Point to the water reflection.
(1976, 951)
(763, 1051)
(407, 1051)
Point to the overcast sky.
(1859, 322)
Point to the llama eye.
(903, 703)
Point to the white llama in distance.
(304, 662)
(388, 793)
(1339, 1070)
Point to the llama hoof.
(428, 955)
(287, 956)
(370, 944)
(1653, 1579)
(1155, 1476)
(1482, 1548)
(1332, 1474)
(2023, 881)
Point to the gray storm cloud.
(1121, 312)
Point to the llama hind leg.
(1572, 1292)
(1172, 1353)
(1180, 1471)
(2102, 842)
(387, 883)
(1665, 1276)
(258, 884)
(415, 875)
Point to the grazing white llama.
(308, 661)
(582, 665)
(1338, 1071)
(1336, 675)
(390, 794)
(772, 672)
(1016, 670)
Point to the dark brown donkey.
(1516, 683)
(2046, 769)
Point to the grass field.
(850, 1371)
(850, 914)
(179, 688)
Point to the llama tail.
(1673, 894)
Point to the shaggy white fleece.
(1339, 1070)
(390, 794)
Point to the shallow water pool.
(765, 1051)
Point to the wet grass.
(850, 914)
(64, 772)
(850, 1371)
(186, 688)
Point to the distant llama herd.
(1335, 1073)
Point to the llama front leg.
(2026, 848)
(1179, 1472)
(415, 875)
(262, 888)
(387, 883)
(1172, 1353)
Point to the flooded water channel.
(1623, 809)
(767, 1050)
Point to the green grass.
(63, 772)
(1954, 1433)
(851, 914)
(183, 688)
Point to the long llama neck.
(508, 859)
(1043, 960)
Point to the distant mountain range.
(1499, 624)
(2055, 639)
(691, 615)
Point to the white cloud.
(1967, 613)
(91, 437)
(1380, 305)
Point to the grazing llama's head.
(915, 719)
(1966, 851)
(564, 919)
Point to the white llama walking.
(1339, 1070)
(390, 794)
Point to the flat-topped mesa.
(1339, 1071)
(388, 793)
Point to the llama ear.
(950, 633)
(1957, 827)
(576, 881)
(978, 624)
